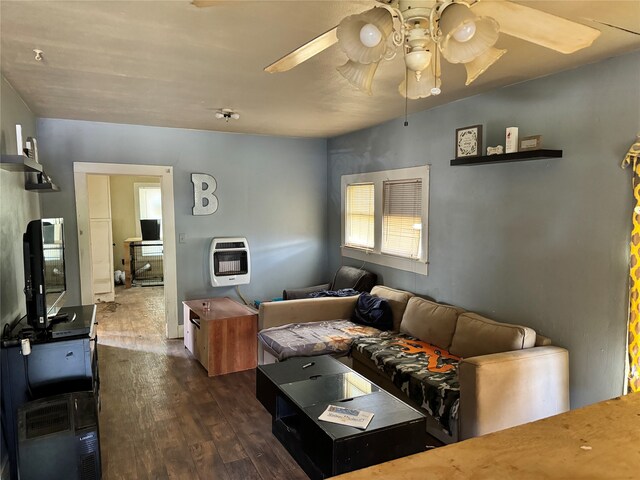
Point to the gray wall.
(541, 243)
(17, 206)
(270, 190)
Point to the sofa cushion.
(428, 375)
(397, 300)
(313, 338)
(430, 321)
(542, 341)
(476, 335)
(353, 277)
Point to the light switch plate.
(182, 238)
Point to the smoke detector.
(226, 114)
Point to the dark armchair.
(346, 277)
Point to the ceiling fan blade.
(617, 27)
(537, 27)
(304, 53)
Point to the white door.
(101, 238)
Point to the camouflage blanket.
(426, 373)
(313, 338)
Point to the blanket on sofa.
(313, 338)
(425, 373)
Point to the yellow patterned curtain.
(633, 363)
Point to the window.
(359, 221)
(148, 207)
(148, 198)
(384, 219)
(402, 217)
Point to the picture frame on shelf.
(469, 141)
(533, 142)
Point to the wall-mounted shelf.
(42, 187)
(22, 163)
(19, 163)
(508, 157)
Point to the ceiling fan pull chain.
(406, 98)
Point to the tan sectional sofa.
(508, 375)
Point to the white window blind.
(359, 221)
(402, 217)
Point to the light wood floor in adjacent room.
(162, 417)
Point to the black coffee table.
(296, 396)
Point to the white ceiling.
(169, 63)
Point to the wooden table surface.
(600, 441)
(219, 308)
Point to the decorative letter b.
(204, 201)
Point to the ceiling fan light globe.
(418, 60)
(481, 64)
(219, 115)
(485, 37)
(465, 32)
(370, 35)
(360, 75)
(453, 16)
(419, 85)
(349, 33)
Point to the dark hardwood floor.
(162, 417)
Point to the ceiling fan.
(424, 31)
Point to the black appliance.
(57, 364)
(77, 322)
(150, 229)
(58, 438)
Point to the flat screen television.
(44, 272)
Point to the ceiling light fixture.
(226, 114)
(39, 54)
(450, 28)
(425, 31)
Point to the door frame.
(80, 172)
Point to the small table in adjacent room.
(298, 390)
(223, 337)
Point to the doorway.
(157, 179)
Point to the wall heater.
(230, 261)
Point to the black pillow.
(373, 312)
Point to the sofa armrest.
(296, 293)
(506, 389)
(275, 314)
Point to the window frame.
(375, 255)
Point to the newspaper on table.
(346, 416)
